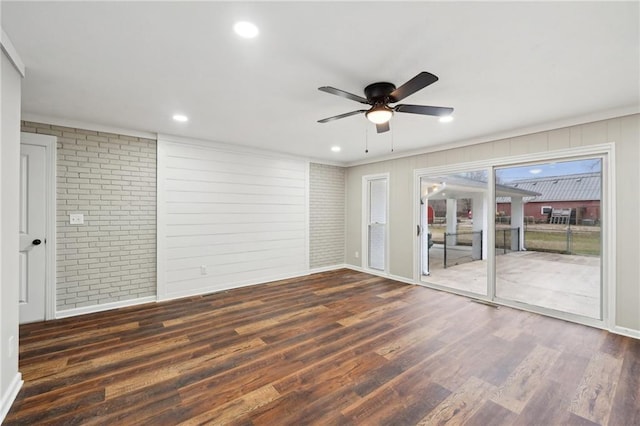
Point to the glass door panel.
(548, 238)
(454, 221)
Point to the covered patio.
(568, 283)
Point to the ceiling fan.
(380, 95)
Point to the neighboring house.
(578, 194)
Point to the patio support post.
(452, 222)
(479, 213)
(517, 221)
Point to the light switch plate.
(76, 219)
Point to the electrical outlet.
(203, 270)
(357, 255)
(76, 219)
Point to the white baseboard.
(104, 307)
(230, 286)
(10, 396)
(327, 268)
(629, 332)
(381, 274)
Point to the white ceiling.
(502, 66)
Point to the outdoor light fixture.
(379, 114)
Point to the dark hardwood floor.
(339, 347)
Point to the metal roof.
(578, 187)
(456, 186)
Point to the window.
(375, 220)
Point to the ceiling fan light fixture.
(446, 119)
(379, 114)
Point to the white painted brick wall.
(111, 179)
(326, 215)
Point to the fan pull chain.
(366, 139)
(391, 140)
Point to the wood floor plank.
(492, 414)
(340, 347)
(626, 404)
(236, 408)
(594, 395)
(458, 407)
(525, 380)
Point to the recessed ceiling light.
(446, 119)
(181, 118)
(246, 29)
(335, 148)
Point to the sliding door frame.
(608, 230)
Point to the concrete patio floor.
(567, 283)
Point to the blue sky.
(549, 169)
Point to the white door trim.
(49, 143)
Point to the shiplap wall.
(228, 217)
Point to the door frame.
(49, 143)
(608, 245)
(365, 224)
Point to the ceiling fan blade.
(418, 82)
(382, 127)
(337, 117)
(343, 94)
(423, 109)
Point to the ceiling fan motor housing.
(379, 92)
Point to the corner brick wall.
(111, 179)
(326, 215)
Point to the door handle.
(36, 242)
(418, 231)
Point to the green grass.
(584, 242)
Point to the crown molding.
(544, 127)
(12, 53)
(78, 124)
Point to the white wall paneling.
(228, 217)
(10, 90)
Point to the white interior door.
(33, 210)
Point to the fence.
(507, 240)
(462, 247)
(566, 241)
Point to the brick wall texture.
(326, 215)
(111, 179)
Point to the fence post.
(504, 241)
(569, 241)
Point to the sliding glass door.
(530, 234)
